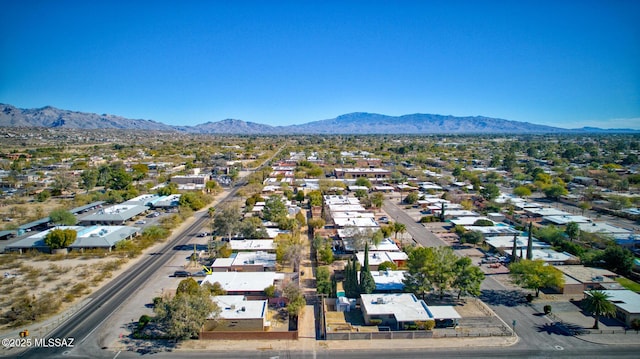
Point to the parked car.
(199, 274)
(181, 273)
(489, 260)
(384, 219)
(141, 222)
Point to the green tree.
(417, 279)
(584, 206)
(184, 315)
(323, 280)
(468, 277)
(555, 191)
(192, 200)
(315, 198)
(215, 288)
(483, 223)
(363, 181)
(597, 302)
(535, 274)
(188, 286)
(315, 224)
(62, 217)
(377, 199)
(270, 291)
(274, 209)
(227, 221)
(367, 283)
(43, 196)
(139, 171)
(387, 265)
(490, 191)
(350, 284)
(572, 230)
(60, 238)
(441, 270)
(225, 251)
(361, 193)
(120, 179)
(296, 299)
(472, 237)
(522, 191)
(398, 228)
(411, 198)
(617, 259)
(155, 232)
(509, 162)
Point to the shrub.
(429, 324)
(143, 321)
(547, 309)
(635, 324)
(529, 297)
(157, 301)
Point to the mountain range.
(353, 123)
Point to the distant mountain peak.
(350, 123)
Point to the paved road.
(82, 326)
(418, 231)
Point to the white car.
(141, 222)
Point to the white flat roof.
(547, 255)
(467, 221)
(444, 312)
(493, 231)
(383, 188)
(252, 245)
(348, 214)
(388, 280)
(255, 258)
(340, 199)
(355, 222)
(405, 307)
(375, 258)
(506, 242)
(222, 262)
(238, 307)
(243, 281)
(547, 211)
(625, 299)
(386, 245)
(562, 220)
(459, 212)
(603, 227)
(346, 208)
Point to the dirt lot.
(49, 283)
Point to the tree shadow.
(508, 298)
(147, 340)
(562, 328)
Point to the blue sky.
(561, 63)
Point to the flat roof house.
(579, 278)
(114, 215)
(401, 309)
(246, 262)
(250, 284)
(627, 304)
(94, 237)
(239, 314)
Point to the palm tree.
(598, 303)
(398, 228)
